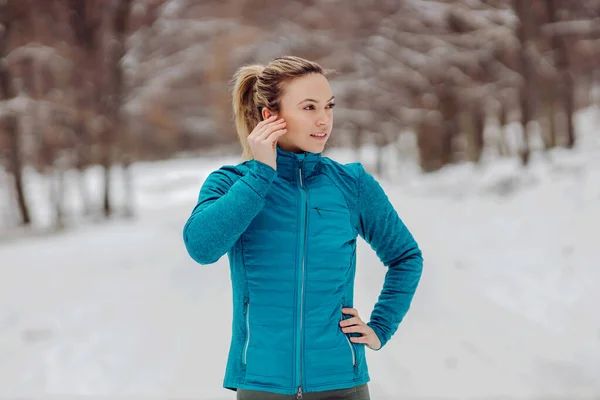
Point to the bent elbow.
(416, 256)
(199, 252)
(409, 258)
(198, 248)
(412, 250)
(204, 259)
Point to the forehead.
(313, 86)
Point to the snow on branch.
(565, 28)
(40, 53)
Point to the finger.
(259, 127)
(272, 127)
(268, 120)
(275, 135)
(351, 321)
(269, 129)
(359, 339)
(356, 329)
(350, 311)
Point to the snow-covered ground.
(507, 307)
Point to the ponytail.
(245, 107)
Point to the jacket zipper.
(300, 347)
(247, 332)
(328, 210)
(351, 346)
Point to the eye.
(312, 107)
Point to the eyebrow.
(315, 101)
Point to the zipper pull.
(319, 211)
(299, 393)
(300, 166)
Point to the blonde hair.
(256, 86)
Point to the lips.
(319, 134)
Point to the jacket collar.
(289, 164)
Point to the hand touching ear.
(263, 140)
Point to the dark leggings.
(356, 393)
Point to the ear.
(266, 113)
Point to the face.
(307, 107)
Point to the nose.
(323, 119)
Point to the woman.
(288, 219)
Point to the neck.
(290, 149)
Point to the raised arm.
(383, 229)
(226, 205)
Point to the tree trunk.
(467, 125)
(8, 204)
(565, 84)
(429, 144)
(119, 25)
(524, 152)
(16, 166)
(523, 29)
(357, 139)
(503, 148)
(568, 97)
(7, 92)
(596, 86)
(450, 125)
(552, 121)
(57, 183)
(379, 164)
(479, 121)
(106, 204)
(128, 182)
(473, 125)
(548, 114)
(83, 190)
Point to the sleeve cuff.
(260, 177)
(378, 333)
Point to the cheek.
(295, 123)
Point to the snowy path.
(507, 306)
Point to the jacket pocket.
(322, 210)
(350, 344)
(247, 343)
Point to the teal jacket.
(290, 236)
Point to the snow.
(172, 8)
(39, 52)
(581, 27)
(507, 307)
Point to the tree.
(10, 14)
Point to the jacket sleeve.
(226, 206)
(382, 228)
